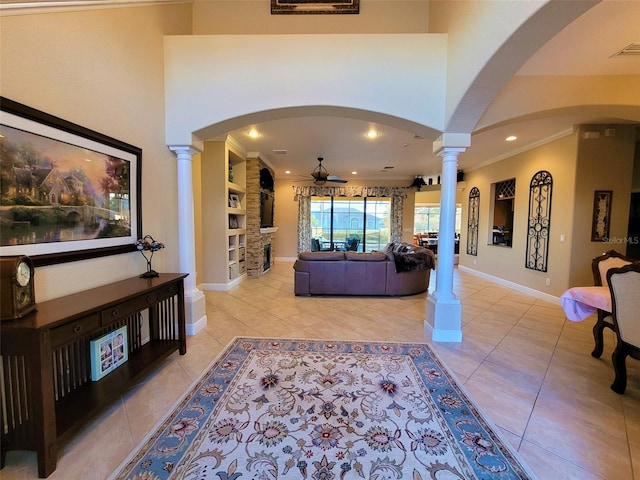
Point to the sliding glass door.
(350, 223)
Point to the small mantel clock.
(16, 287)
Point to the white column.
(195, 303)
(444, 311)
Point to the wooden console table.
(47, 390)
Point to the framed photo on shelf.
(108, 353)
(234, 200)
(601, 222)
(74, 194)
(233, 221)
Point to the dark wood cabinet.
(47, 391)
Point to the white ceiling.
(583, 48)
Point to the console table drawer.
(168, 291)
(125, 309)
(71, 331)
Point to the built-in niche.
(266, 179)
(503, 194)
(266, 209)
(266, 198)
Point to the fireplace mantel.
(269, 230)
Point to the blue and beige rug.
(323, 410)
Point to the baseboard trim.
(515, 286)
(223, 287)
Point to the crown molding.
(26, 8)
(522, 149)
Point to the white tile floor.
(527, 367)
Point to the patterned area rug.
(321, 410)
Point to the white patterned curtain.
(304, 223)
(303, 194)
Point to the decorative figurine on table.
(148, 244)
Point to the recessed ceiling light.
(354, 173)
(511, 138)
(372, 133)
(287, 172)
(253, 133)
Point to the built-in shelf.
(225, 208)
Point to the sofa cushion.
(322, 256)
(365, 256)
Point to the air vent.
(388, 168)
(279, 152)
(631, 50)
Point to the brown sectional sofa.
(402, 269)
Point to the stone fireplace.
(260, 244)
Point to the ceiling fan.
(321, 175)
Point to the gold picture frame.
(289, 7)
(601, 222)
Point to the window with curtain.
(337, 221)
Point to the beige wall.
(557, 157)
(102, 69)
(254, 17)
(204, 97)
(603, 163)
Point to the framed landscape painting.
(66, 192)
(314, 6)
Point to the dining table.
(579, 303)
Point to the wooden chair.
(600, 265)
(624, 285)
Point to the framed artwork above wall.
(67, 193)
(287, 7)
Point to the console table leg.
(47, 460)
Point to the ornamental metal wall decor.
(473, 221)
(539, 221)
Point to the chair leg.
(598, 329)
(619, 357)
